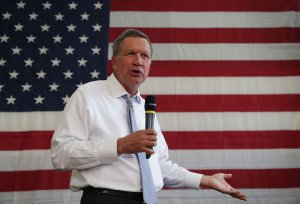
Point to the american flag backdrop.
(226, 75)
(48, 49)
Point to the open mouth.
(136, 72)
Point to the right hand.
(139, 141)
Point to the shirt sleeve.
(175, 176)
(70, 146)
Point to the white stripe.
(204, 19)
(25, 160)
(190, 159)
(41, 197)
(251, 51)
(237, 159)
(254, 196)
(228, 121)
(221, 51)
(274, 196)
(29, 121)
(221, 85)
(178, 121)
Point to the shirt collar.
(117, 90)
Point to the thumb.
(227, 176)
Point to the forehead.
(136, 44)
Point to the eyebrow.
(143, 52)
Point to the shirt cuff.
(192, 180)
(107, 151)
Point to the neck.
(132, 90)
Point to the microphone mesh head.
(150, 103)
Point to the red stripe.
(228, 103)
(242, 178)
(233, 139)
(177, 140)
(34, 180)
(222, 68)
(217, 35)
(260, 178)
(211, 5)
(25, 140)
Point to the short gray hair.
(128, 33)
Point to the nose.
(138, 59)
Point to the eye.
(145, 56)
(130, 53)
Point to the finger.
(150, 132)
(148, 150)
(149, 147)
(151, 137)
(231, 191)
(239, 195)
(151, 143)
(227, 176)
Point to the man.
(93, 137)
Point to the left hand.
(218, 183)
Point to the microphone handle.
(149, 125)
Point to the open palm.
(218, 183)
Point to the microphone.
(150, 107)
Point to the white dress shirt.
(85, 141)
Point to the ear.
(113, 61)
